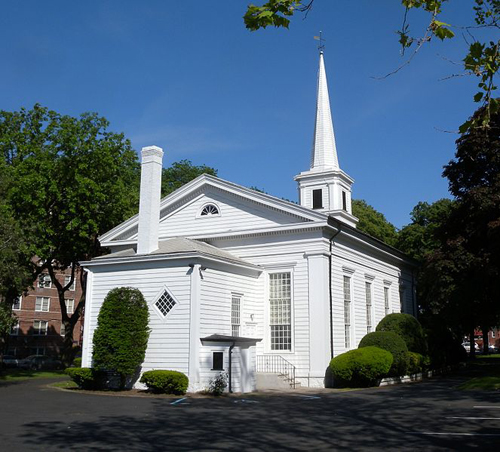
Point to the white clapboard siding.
(281, 253)
(362, 267)
(168, 345)
(236, 213)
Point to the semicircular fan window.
(209, 209)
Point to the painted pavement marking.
(472, 417)
(452, 434)
(179, 401)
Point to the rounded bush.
(408, 328)
(361, 367)
(387, 340)
(77, 362)
(84, 377)
(122, 332)
(165, 381)
(416, 362)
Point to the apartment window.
(235, 315)
(63, 329)
(67, 279)
(347, 311)
(42, 304)
(386, 300)
(70, 305)
(218, 361)
(37, 351)
(40, 327)
(14, 331)
(368, 289)
(280, 305)
(344, 201)
(16, 306)
(44, 281)
(317, 199)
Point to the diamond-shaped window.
(165, 303)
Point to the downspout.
(230, 368)
(330, 284)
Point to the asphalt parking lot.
(431, 416)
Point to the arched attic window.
(209, 210)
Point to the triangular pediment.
(238, 209)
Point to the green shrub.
(84, 377)
(218, 384)
(77, 362)
(417, 363)
(387, 340)
(165, 381)
(360, 368)
(408, 328)
(122, 333)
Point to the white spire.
(324, 152)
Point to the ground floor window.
(386, 301)
(218, 361)
(40, 327)
(368, 288)
(235, 315)
(280, 306)
(347, 311)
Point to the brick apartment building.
(39, 330)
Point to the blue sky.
(187, 76)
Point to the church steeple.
(325, 187)
(324, 150)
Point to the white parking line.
(453, 434)
(178, 401)
(471, 417)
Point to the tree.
(122, 332)
(181, 173)
(373, 222)
(482, 59)
(474, 179)
(418, 239)
(7, 321)
(70, 181)
(461, 278)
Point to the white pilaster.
(149, 205)
(87, 339)
(319, 314)
(194, 327)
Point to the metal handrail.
(276, 364)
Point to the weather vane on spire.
(319, 38)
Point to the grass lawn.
(66, 384)
(21, 374)
(485, 373)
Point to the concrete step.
(272, 381)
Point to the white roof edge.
(167, 257)
(262, 198)
(269, 230)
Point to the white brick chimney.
(149, 205)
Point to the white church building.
(243, 282)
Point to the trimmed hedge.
(122, 332)
(417, 363)
(387, 340)
(77, 362)
(85, 377)
(361, 367)
(165, 381)
(408, 328)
